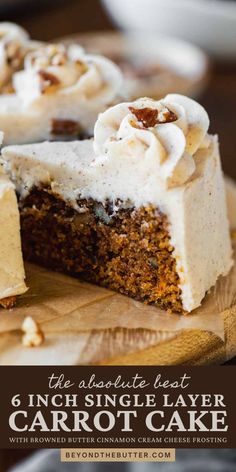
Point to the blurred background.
(187, 46)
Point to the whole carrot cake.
(139, 209)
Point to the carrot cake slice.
(140, 208)
(12, 275)
(57, 94)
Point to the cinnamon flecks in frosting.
(150, 117)
(65, 127)
(47, 80)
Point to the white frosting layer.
(138, 165)
(13, 40)
(12, 275)
(57, 84)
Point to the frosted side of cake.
(12, 275)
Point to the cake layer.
(127, 250)
(11, 264)
(145, 155)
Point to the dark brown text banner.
(117, 407)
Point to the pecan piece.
(167, 116)
(47, 80)
(149, 117)
(8, 302)
(65, 127)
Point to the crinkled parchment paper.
(84, 323)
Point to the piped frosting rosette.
(55, 72)
(13, 43)
(58, 94)
(162, 135)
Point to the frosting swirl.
(13, 40)
(162, 134)
(57, 70)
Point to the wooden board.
(192, 347)
(86, 324)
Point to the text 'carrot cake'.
(140, 209)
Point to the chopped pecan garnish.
(47, 80)
(149, 117)
(8, 302)
(167, 116)
(65, 127)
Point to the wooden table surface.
(47, 20)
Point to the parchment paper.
(84, 323)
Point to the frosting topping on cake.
(166, 134)
(13, 40)
(141, 152)
(56, 69)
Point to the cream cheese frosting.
(13, 40)
(230, 187)
(163, 134)
(59, 92)
(12, 275)
(146, 153)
